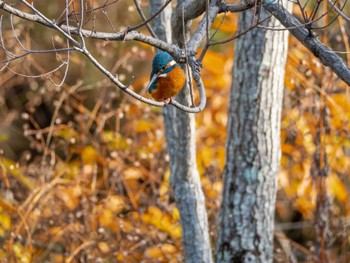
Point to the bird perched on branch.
(167, 78)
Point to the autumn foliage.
(84, 168)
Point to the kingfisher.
(167, 78)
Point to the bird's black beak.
(153, 79)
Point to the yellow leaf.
(70, 196)
(89, 155)
(154, 252)
(206, 154)
(3, 137)
(22, 255)
(5, 223)
(162, 221)
(114, 140)
(337, 187)
(164, 186)
(115, 203)
(144, 126)
(65, 132)
(7, 205)
(176, 214)
(106, 218)
(169, 249)
(155, 212)
(10, 167)
(103, 247)
(133, 173)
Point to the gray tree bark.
(246, 220)
(181, 145)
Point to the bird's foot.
(167, 101)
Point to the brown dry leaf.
(6, 205)
(70, 196)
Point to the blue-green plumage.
(160, 60)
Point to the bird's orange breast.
(169, 85)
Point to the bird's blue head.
(160, 66)
(160, 61)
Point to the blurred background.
(84, 167)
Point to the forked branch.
(67, 31)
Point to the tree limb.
(201, 31)
(192, 8)
(67, 30)
(328, 57)
(120, 36)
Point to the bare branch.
(234, 8)
(327, 57)
(124, 36)
(200, 33)
(66, 30)
(192, 9)
(338, 11)
(149, 19)
(48, 21)
(142, 15)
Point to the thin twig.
(149, 19)
(206, 47)
(338, 11)
(49, 22)
(237, 35)
(142, 15)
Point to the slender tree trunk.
(180, 138)
(246, 220)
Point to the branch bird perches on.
(67, 31)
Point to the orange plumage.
(170, 85)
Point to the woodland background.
(84, 169)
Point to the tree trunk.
(246, 220)
(180, 138)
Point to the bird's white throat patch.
(171, 63)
